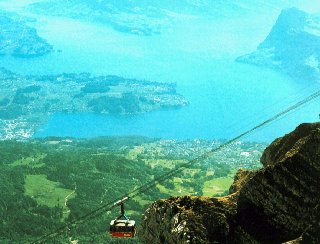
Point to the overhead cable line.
(271, 108)
(135, 192)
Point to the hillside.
(292, 46)
(275, 204)
(49, 182)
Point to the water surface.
(197, 53)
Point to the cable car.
(122, 226)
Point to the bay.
(226, 98)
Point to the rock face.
(280, 148)
(312, 234)
(240, 179)
(276, 204)
(188, 220)
(283, 194)
(292, 46)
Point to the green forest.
(47, 183)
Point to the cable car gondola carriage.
(122, 226)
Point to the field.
(217, 186)
(47, 192)
(34, 162)
(52, 181)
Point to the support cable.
(142, 189)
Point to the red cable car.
(122, 226)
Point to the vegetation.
(218, 186)
(47, 183)
(47, 192)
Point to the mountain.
(292, 46)
(148, 17)
(127, 16)
(18, 39)
(275, 204)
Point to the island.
(292, 46)
(26, 102)
(20, 40)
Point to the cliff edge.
(276, 204)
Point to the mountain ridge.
(275, 204)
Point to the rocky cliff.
(276, 204)
(292, 46)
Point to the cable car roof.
(123, 222)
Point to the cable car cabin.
(123, 228)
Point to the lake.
(198, 53)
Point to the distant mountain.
(18, 39)
(130, 17)
(146, 17)
(292, 46)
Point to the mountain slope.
(271, 205)
(44, 183)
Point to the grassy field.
(210, 188)
(133, 153)
(178, 189)
(47, 192)
(217, 186)
(34, 162)
(164, 163)
(142, 202)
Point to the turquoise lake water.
(226, 98)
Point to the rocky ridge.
(275, 204)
